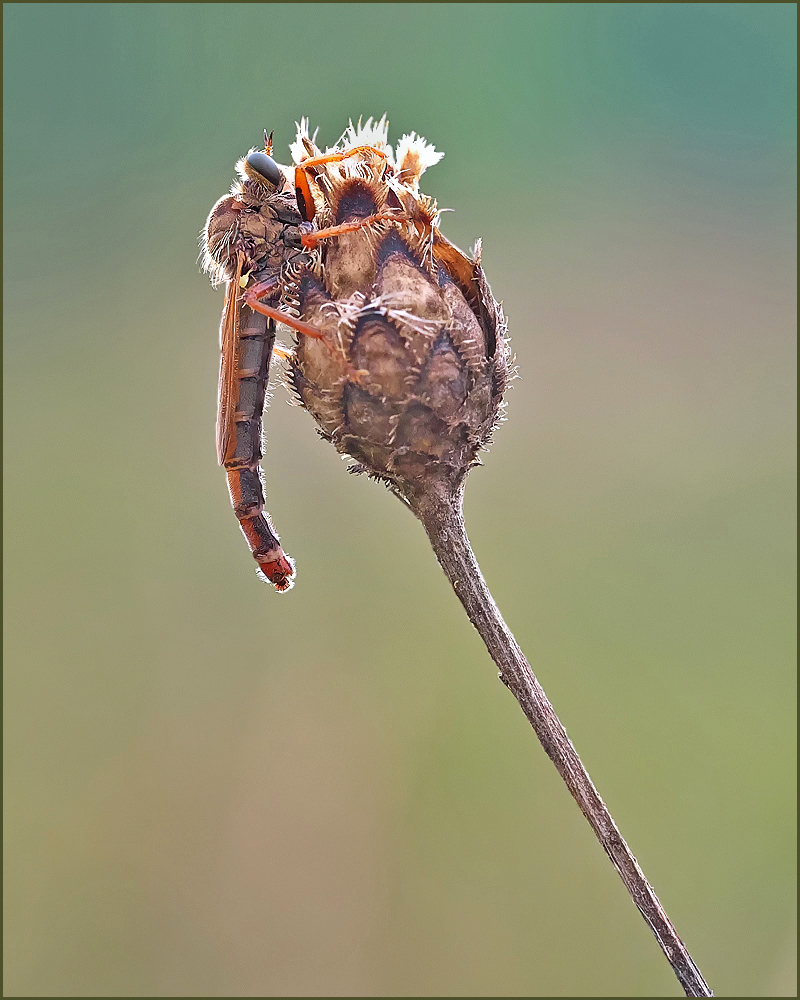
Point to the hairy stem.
(443, 520)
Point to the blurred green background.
(215, 791)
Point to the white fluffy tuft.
(297, 148)
(368, 133)
(413, 157)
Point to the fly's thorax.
(263, 226)
(218, 240)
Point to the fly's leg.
(305, 202)
(317, 161)
(261, 289)
(243, 466)
(310, 240)
(252, 298)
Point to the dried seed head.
(410, 379)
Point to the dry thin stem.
(443, 520)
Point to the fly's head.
(259, 218)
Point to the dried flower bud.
(410, 378)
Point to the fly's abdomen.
(256, 338)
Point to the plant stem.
(442, 517)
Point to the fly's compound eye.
(265, 168)
(302, 192)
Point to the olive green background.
(213, 790)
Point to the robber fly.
(250, 235)
(254, 237)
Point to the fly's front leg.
(312, 239)
(305, 201)
(243, 468)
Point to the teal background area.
(212, 790)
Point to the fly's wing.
(229, 344)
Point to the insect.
(252, 237)
(278, 234)
(250, 232)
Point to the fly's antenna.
(268, 142)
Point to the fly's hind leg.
(252, 299)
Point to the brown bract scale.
(414, 385)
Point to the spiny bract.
(414, 384)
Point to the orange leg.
(261, 288)
(310, 240)
(303, 191)
(251, 299)
(316, 161)
(295, 324)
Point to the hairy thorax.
(264, 229)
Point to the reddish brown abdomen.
(256, 339)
